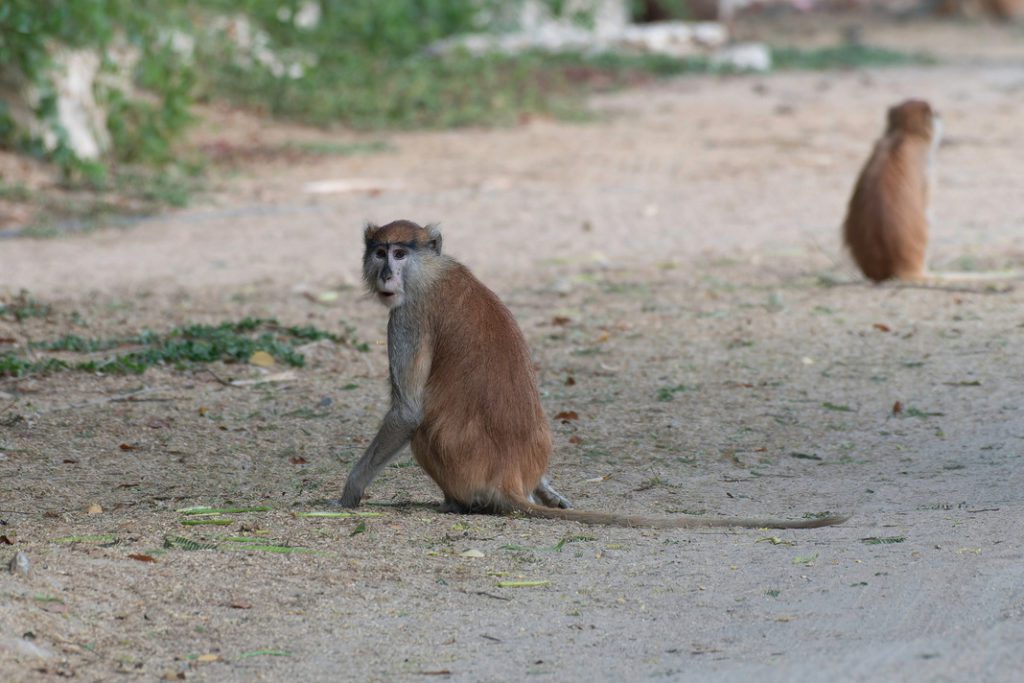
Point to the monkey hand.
(350, 498)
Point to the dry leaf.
(897, 408)
(142, 558)
(575, 439)
(203, 410)
(4, 540)
(882, 327)
(94, 509)
(297, 460)
(128, 447)
(570, 381)
(472, 552)
(241, 604)
(261, 359)
(567, 415)
(207, 658)
(560, 320)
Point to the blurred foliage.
(846, 56)
(142, 128)
(365, 64)
(361, 63)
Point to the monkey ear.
(369, 230)
(434, 237)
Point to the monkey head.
(914, 117)
(400, 258)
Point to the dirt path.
(681, 236)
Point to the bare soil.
(665, 263)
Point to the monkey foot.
(453, 506)
(547, 495)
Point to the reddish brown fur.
(483, 426)
(998, 9)
(397, 231)
(886, 226)
(465, 396)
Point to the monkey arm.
(395, 432)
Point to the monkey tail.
(674, 522)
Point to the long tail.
(674, 522)
(973, 276)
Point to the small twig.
(947, 288)
(219, 380)
(897, 286)
(985, 510)
(8, 406)
(488, 595)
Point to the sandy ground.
(666, 257)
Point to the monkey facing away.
(886, 226)
(887, 220)
(463, 391)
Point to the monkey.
(1001, 10)
(886, 226)
(887, 219)
(464, 394)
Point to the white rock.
(19, 564)
(21, 646)
(743, 57)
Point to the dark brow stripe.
(411, 246)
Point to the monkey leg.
(396, 431)
(547, 495)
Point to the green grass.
(329, 148)
(232, 342)
(844, 56)
(23, 306)
(459, 89)
(116, 196)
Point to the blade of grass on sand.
(522, 584)
(337, 515)
(280, 549)
(205, 510)
(215, 522)
(88, 538)
(266, 653)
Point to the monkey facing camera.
(464, 394)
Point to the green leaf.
(882, 540)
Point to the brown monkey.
(1005, 10)
(463, 391)
(886, 225)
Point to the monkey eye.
(400, 254)
(381, 253)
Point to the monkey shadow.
(393, 505)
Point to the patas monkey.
(886, 225)
(463, 391)
(887, 220)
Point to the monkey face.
(386, 268)
(398, 260)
